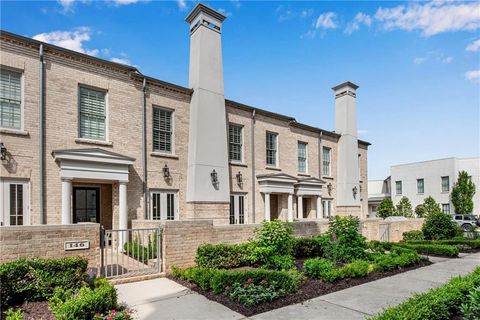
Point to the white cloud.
(225, 12)
(285, 13)
(431, 18)
(236, 3)
(419, 60)
(182, 5)
(67, 5)
(447, 60)
(124, 2)
(472, 75)
(73, 40)
(360, 18)
(474, 46)
(326, 21)
(121, 60)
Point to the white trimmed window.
(272, 146)
(92, 114)
(446, 207)
(14, 203)
(163, 205)
(420, 186)
(10, 99)
(398, 187)
(162, 130)
(327, 208)
(326, 160)
(238, 210)
(302, 157)
(445, 184)
(235, 142)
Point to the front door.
(86, 204)
(273, 206)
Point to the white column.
(300, 207)
(290, 207)
(267, 206)
(319, 208)
(123, 212)
(66, 201)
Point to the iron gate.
(130, 252)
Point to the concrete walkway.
(165, 299)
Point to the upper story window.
(445, 184)
(10, 99)
(235, 142)
(398, 187)
(162, 130)
(302, 157)
(420, 186)
(326, 160)
(92, 114)
(272, 146)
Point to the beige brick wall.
(47, 241)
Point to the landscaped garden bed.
(275, 270)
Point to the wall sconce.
(355, 191)
(214, 177)
(3, 151)
(239, 178)
(166, 172)
(329, 189)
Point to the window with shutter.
(92, 114)
(10, 99)
(162, 130)
(235, 142)
(302, 157)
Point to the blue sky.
(417, 63)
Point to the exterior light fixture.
(239, 178)
(166, 171)
(355, 191)
(329, 188)
(3, 151)
(214, 176)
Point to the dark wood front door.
(273, 206)
(86, 204)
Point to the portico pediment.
(309, 187)
(276, 183)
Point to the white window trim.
(236, 206)
(22, 100)
(176, 213)
(242, 129)
(401, 188)
(5, 201)
(277, 151)
(306, 157)
(158, 152)
(329, 175)
(441, 184)
(86, 86)
(423, 185)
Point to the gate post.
(159, 249)
(102, 249)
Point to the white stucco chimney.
(348, 176)
(207, 149)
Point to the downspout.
(144, 148)
(41, 145)
(320, 136)
(252, 147)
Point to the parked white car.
(468, 222)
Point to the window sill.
(238, 164)
(303, 175)
(327, 177)
(163, 155)
(273, 168)
(96, 142)
(18, 132)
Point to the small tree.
(462, 194)
(439, 226)
(404, 208)
(431, 206)
(420, 211)
(386, 208)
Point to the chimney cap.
(200, 7)
(345, 84)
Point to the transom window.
(445, 184)
(164, 206)
(92, 114)
(420, 186)
(162, 130)
(326, 161)
(272, 145)
(10, 99)
(235, 142)
(398, 187)
(302, 157)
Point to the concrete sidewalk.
(165, 299)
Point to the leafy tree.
(439, 226)
(431, 206)
(404, 208)
(420, 211)
(462, 194)
(386, 208)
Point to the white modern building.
(419, 180)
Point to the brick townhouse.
(89, 140)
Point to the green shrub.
(35, 279)
(346, 243)
(412, 235)
(460, 242)
(198, 275)
(471, 308)
(250, 294)
(436, 304)
(138, 251)
(276, 235)
(222, 256)
(317, 267)
(85, 303)
(396, 259)
(439, 226)
(310, 247)
(436, 249)
(14, 314)
(324, 269)
(279, 263)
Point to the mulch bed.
(35, 311)
(311, 288)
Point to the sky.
(417, 63)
